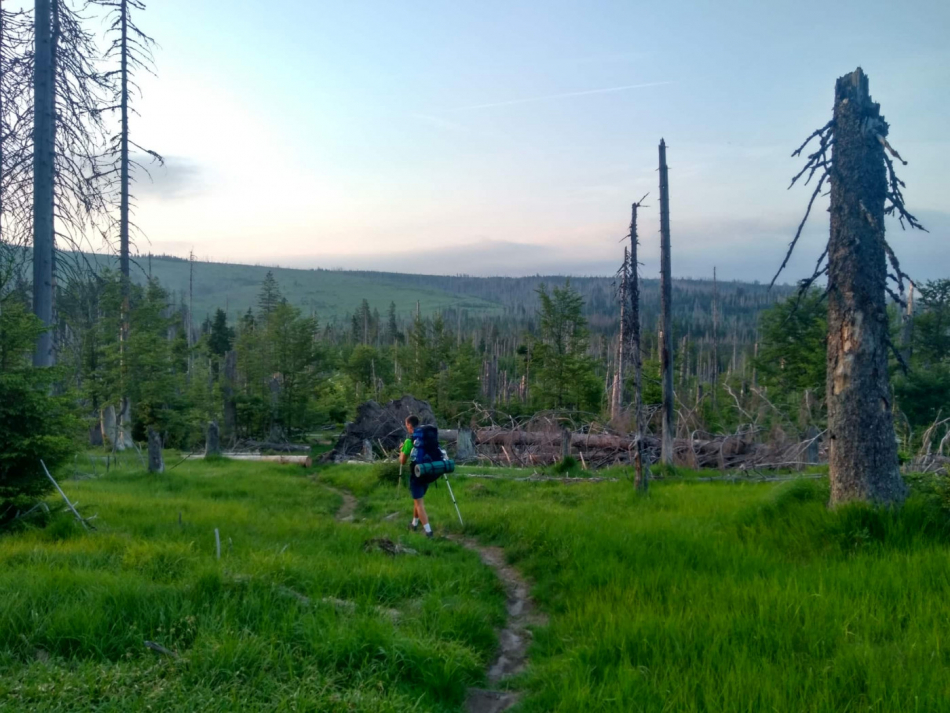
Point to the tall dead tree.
(130, 50)
(641, 477)
(714, 376)
(666, 315)
(862, 456)
(44, 147)
(617, 395)
(69, 95)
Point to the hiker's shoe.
(430, 534)
(414, 526)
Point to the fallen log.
(305, 461)
(505, 437)
(269, 446)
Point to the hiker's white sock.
(427, 528)
(415, 521)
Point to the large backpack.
(425, 445)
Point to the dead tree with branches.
(130, 50)
(862, 458)
(69, 96)
(641, 477)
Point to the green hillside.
(335, 294)
(331, 293)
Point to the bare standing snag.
(864, 188)
(666, 314)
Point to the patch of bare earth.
(347, 507)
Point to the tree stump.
(862, 453)
(213, 441)
(565, 444)
(110, 429)
(368, 455)
(125, 426)
(811, 452)
(155, 462)
(465, 446)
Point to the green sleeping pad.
(434, 469)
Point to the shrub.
(34, 424)
(388, 473)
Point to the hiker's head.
(412, 423)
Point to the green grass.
(699, 597)
(75, 608)
(715, 596)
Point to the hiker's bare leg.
(420, 511)
(415, 509)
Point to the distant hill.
(336, 294)
(330, 293)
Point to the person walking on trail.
(416, 487)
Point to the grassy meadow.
(379, 633)
(699, 597)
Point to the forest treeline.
(276, 372)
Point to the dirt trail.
(347, 508)
(514, 638)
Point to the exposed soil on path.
(514, 638)
(345, 512)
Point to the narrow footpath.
(514, 638)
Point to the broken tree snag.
(666, 316)
(230, 405)
(213, 442)
(641, 477)
(155, 462)
(862, 457)
(465, 446)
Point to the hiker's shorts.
(417, 487)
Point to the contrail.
(608, 90)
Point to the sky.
(511, 137)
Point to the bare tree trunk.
(714, 375)
(44, 141)
(213, 441)
(126, 405)
(155, 462)
(617, 399)
(666, 318)
(230, 406)
(641, 469)
(862, 457)
(907, 328)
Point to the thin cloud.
(529, 100)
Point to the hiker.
(417, 487)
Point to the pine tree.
(392, 330)
(565, 372)
(220, 336)
(269, 297)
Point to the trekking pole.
(399, 482)
(452, 495)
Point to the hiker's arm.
(402, 459)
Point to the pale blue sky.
(370, 133)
